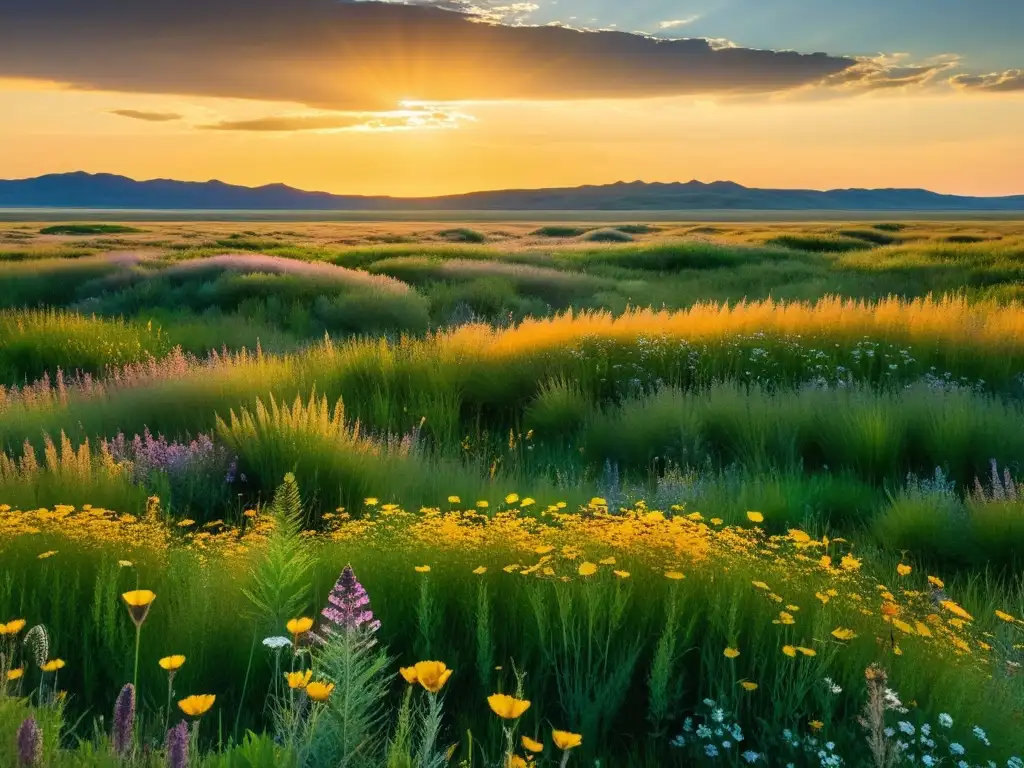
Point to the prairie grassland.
(701, 463)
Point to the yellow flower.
(902, 626)
(840, 633)
(527, 502)
(371, 502)
(138, 602)
(850, 563)
(730, 653)
(565, 740)
(749, 686)
(903, 569)
(816, 724)
(12, 627)
(299, 626)
(674, 575)
(432, 675)
(716, 521)
(125, 563)
(483, 504)
(409, 673)
(512, 498)
(755, 517)
(389, 508)
(587, 569)
(543, 549)
(561, 505)
(789, 650)
(760, 585)
(186, 523)
(14, 674)
(515, 761)
(935, 581)
(825, 561)
(531, 745)
(822, 596)
(197, 706)
(251, 513)
(171, 663)
(607, 561)
(481, 570)
(784, 618)
(53, 665)
(597, 501)
(454, 500)
(422, 569)
(956, 610)
(622, 574)
(922, 629)
(807, 651)
(506, 707)
(50, 553)
(319, 691)
(298, 679)
(1004, 616)
(890, 609)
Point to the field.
(721, 493)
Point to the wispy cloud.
(673, 23)
(407, 119)
(152, 117)
(994, 82)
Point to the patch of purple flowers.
(124, 720)
(30, 742)
(149, 454)
(177, 746)
(348, 606)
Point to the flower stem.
(135, 675)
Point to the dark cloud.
(367, 56)
(1010, 80)
(152, 117)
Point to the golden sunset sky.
(439, 97)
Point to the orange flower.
(197, 706)
(432, 675)
(319, 691)
(507, 707)
(565, 740)
(138, 602)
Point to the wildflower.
(823, 597)
(565, 740)
(789, 650)
(587, 569)
(730, 653)
(422, 569)
(12, 627)
(299, 626)
(507, 707)
(515, 761)
(816, 725)
(138, 602)
(850, 563)
(482, 504)
(807, 651)
(125, 563)
(512, 498)
(716, 521)
(841, 633)
(890, 609)
(409, 673)
(432, 675)
(124, 720)
(674, 575)
(276, 643)
(750, 756)
(906, 727)
(177, 746)
(319, 691)
(945, 720)
(30, 742)
(607, 561)
(454, 500)
(171, 663)
(186, 523)
(531, 745)
(956, 610)
(298, 679)
(748, 685)
(755, 517)
(760, 585)
(480, 571)
(935, 581)
(956, 748)
(597, 501)
(197, 706)
(903, 569)
(371, 502)
(53, 665)
(622, 574)
(825, 561)
(979, 732)
(15, 674)
(1004, 616)
(784, 618)
(711, 750)
(348, 605)
(50, 553)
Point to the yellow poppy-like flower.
(319, 691)
(903, 569)
(587, 569)
(825, 561)
(515, 761)
(565, 740)
(138, 602)
(53, 665)
(597, 501)
(14, 674)
(890, 609)
(197, 706)
(935, 581)
(432, 675)
(480, 571)
(755, 517)
(760, 585)
(409, 673)
(506, 706)
(454, 500)
(299, 626)
(784, 618)
(817, 725)
(482, 504)
(44, 555)
(674, 575)
(607, 561)
(389, 507)
(12, 627)
(716, 521)
(422, 568)
(512, 498)
(730, 653)
(749, 686)
(841, 633)
(789, 650)
(956, 610)
(531, 745)
(922, 629)
(186, 523)
(807, 651)
(371, 502)
(1004, 616)
(527, 502)
(622, 574)
(172, 663)
(561, 505)
(823, 597)
(298, 679)
(850, 563)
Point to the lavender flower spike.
(30, 742)
(124, 720)
(177, 746)
(349, 606)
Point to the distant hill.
(103, 190)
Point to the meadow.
(550, 493)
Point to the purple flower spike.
(177, 746)
(349, 606)
(124, 720)
(30, 742)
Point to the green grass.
(89, 229)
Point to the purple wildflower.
(177, 746)
(349, 605)
(124, 720)
(30, 742)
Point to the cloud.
(369, 56)
(994, 82)
(340, 121)
(152, 117)
(889, 72)
(492, 11)
(677, 22)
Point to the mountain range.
(108, 191)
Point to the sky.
(429, 97)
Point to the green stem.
(245, 683)
(135, 676)
(565, 759)
(167, 715)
